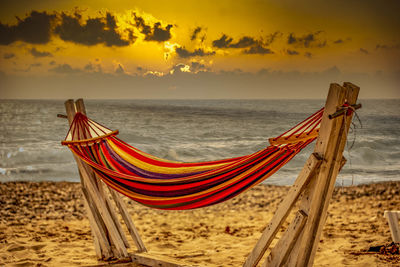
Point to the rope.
(350, 110)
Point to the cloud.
(35, 65)
(243, 42)
(292, 52)
(184, 53)
(93, 31)
(226, 42)
(119, 69)
(8, 55)
(64, 69)
(222, 42)
(156, 33)
(34, 29)
(387, 47)
(272, 37)
(195, 33)
(338, 41)
(258, 49)
(36, 53)
(364, 51)
(196, 67)
(254, 46)
(307, 40)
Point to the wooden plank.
(283, 210)
(279, 254)
(96, 192)
(101, 244)
(156, 260)
(128, 221)
(393, 221)
(330, 144)
(96, 225)
(111, 209)
(104, 213)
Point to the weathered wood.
(330, 144)
(104, 206)
(111, 209)
(156, 260)
(283, 210)
(104, 213)
(393, 218)
(101, 244)
(279, 254)
(95, 221)
(128, 221)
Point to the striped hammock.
(165, 184)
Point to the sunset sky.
(198, 49)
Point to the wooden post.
(280, 253)
(393, 218)
(283, 210)
(317, 183)
(330, 145)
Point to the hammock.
(165, 184)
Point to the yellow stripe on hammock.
(161, 169)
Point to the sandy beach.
(44, 224)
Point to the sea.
(194, 130)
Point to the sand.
(44, 224)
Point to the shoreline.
(44, 224)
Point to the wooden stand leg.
(280, 253)
(330, 144)
(304, 233)
(283, 210)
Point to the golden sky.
(176, 48)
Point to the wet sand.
(44, 224)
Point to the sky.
(243, 49)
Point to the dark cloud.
(387, 47)
(36, 53)
(222, 42)
(100, 30)
(90, 67)
(34, 29)
(119, 69)
(184, 53)
(156, 33)
(292, 52)
(365, 51)
(272, 37)
(35, 65)
(254, 46)
(307, 40)
(64, 69)
(258, 49)
(243, 42)
(196, 67)
(226, 42)
(195, 33)
(8, 55)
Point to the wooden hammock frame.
(298, 244)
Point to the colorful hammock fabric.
(165, 184)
